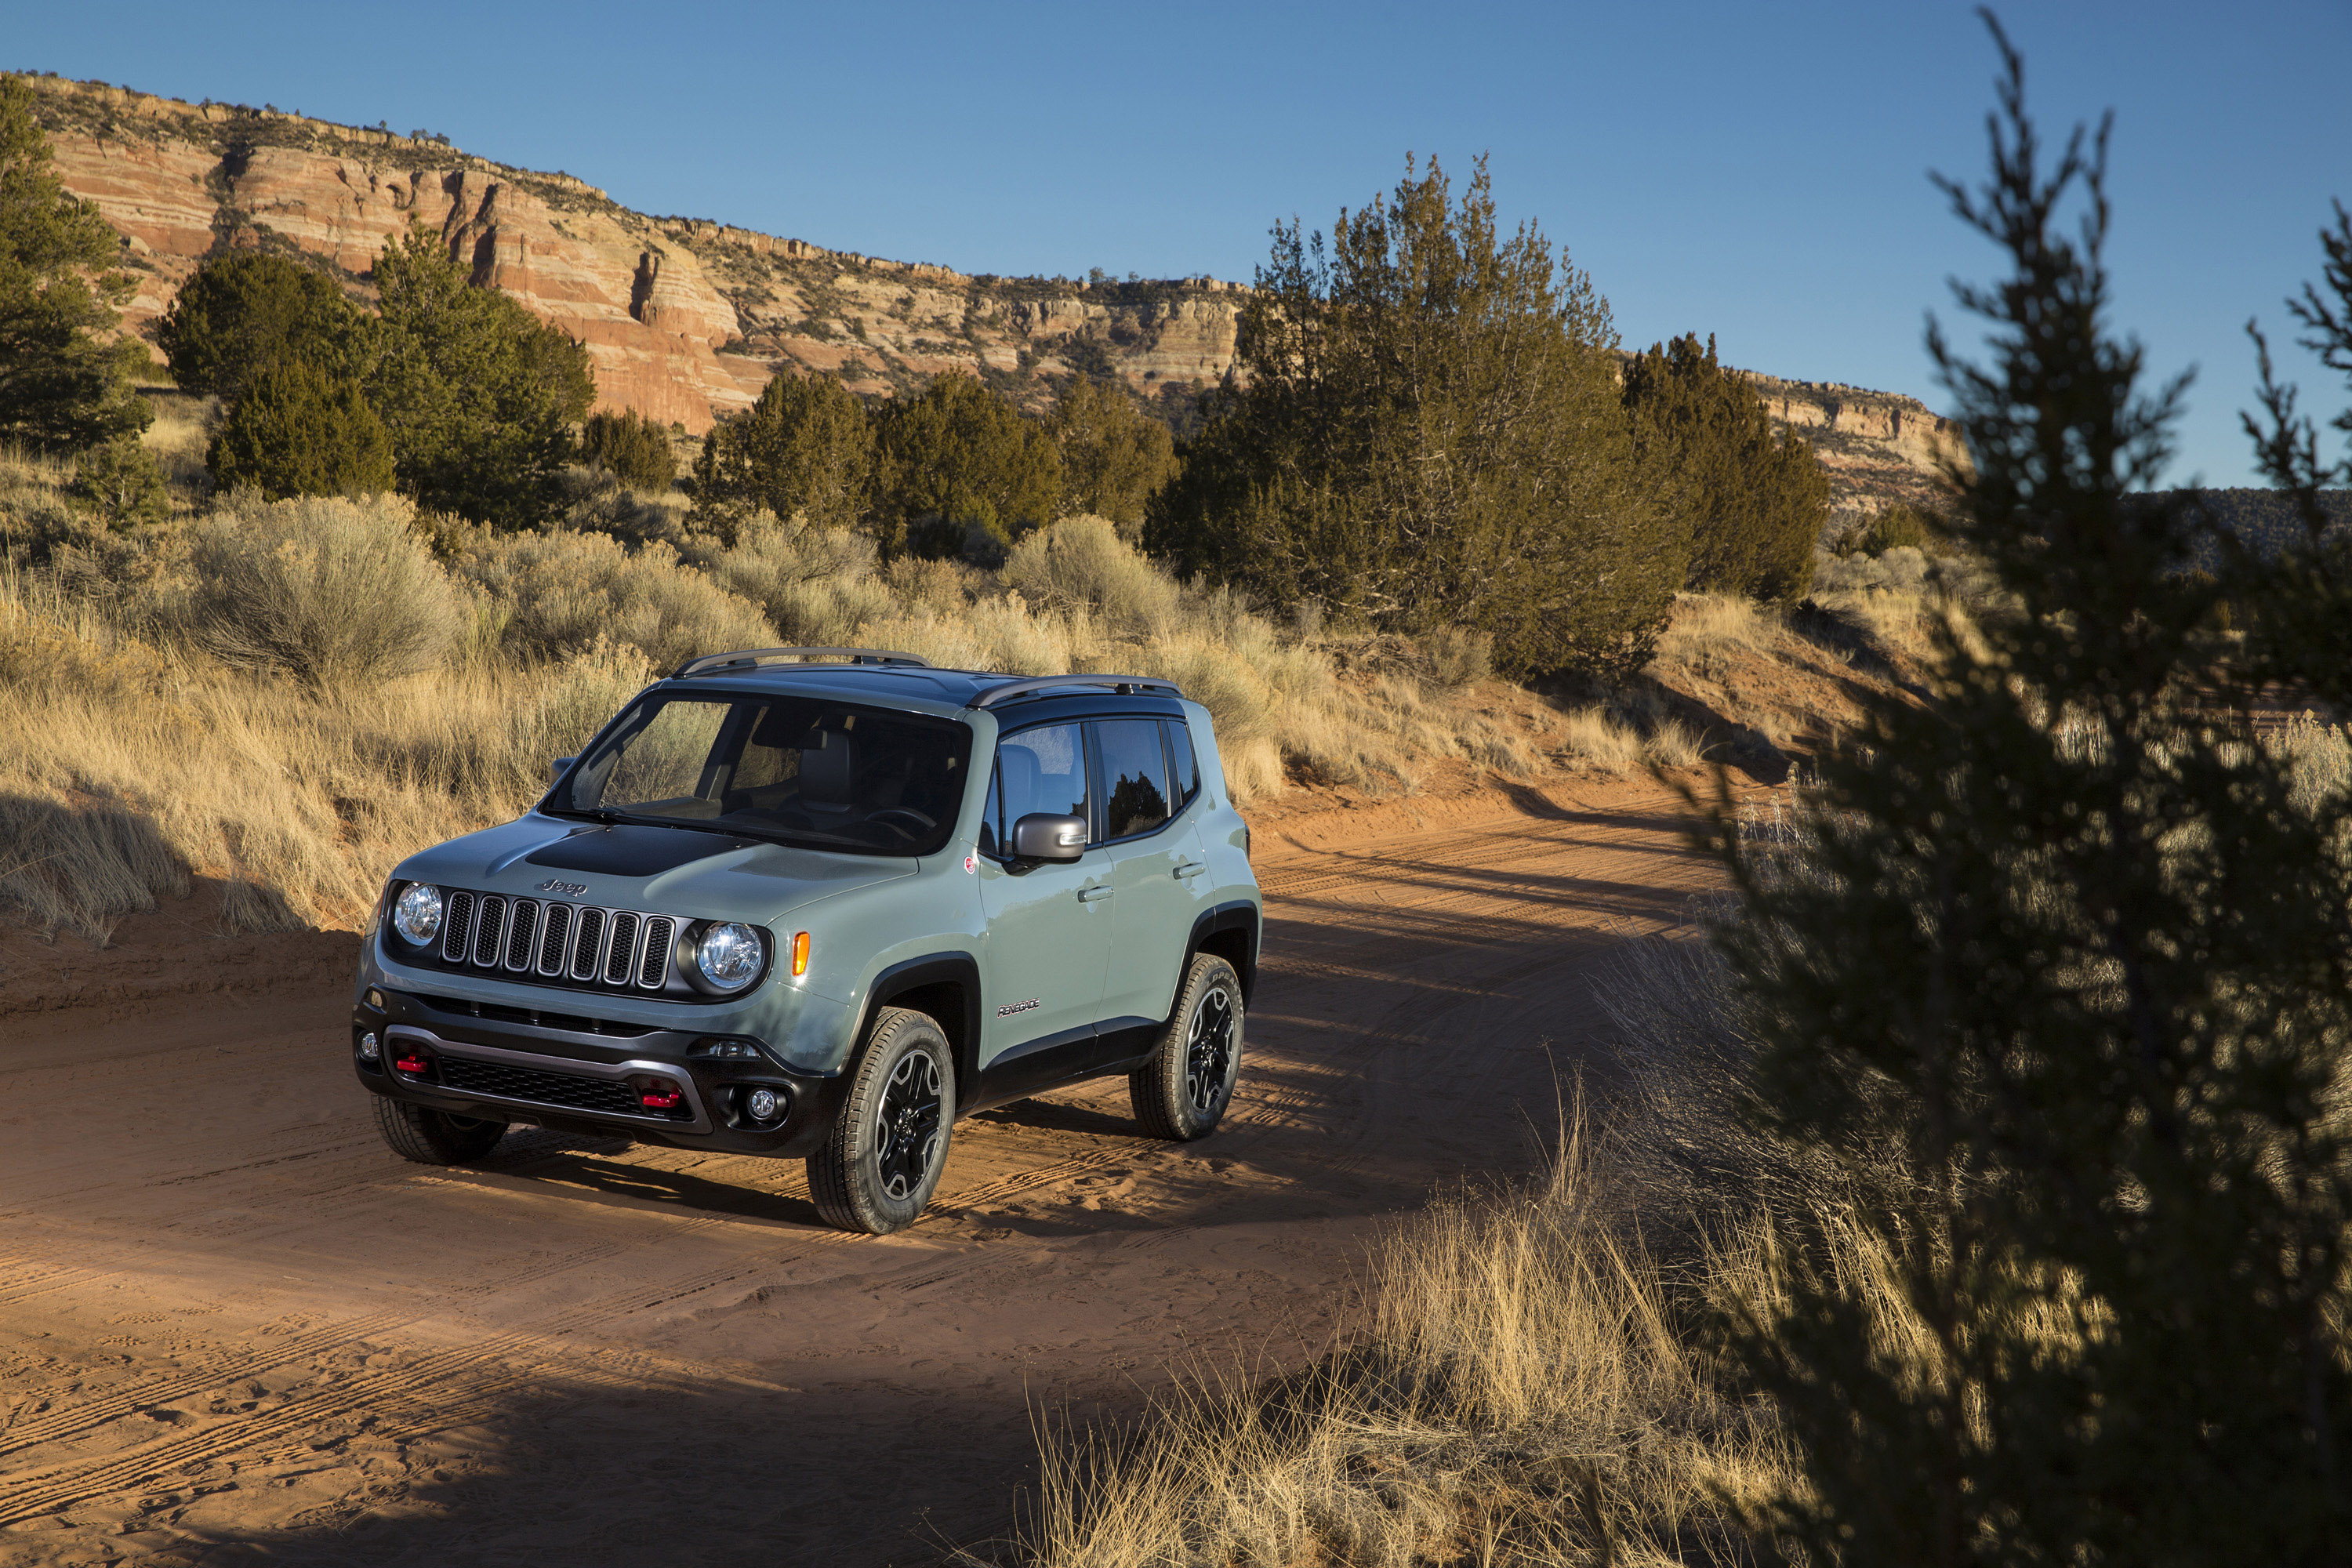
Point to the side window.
(1135, 775)
(1188, 771)
(1039, 771)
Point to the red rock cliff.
(685, 321)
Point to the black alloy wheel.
(907, 1125)
(1208, 1051)
(1183, 1089)
(889, 1140)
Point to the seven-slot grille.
(528, 938)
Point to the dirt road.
(233, 1327)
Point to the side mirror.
(1039, 837)
(555, 770)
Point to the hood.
(666, 870)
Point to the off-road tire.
(432, 1137)
(873, 1177)
(1184, 1089)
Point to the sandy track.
(233, 1326)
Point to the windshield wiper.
(590, 813)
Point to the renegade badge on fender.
(820, 903)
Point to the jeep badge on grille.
(569, 890)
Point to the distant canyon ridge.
(685, 320)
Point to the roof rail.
(751, 657)
(1125, 685)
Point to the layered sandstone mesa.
(685, 321)
(1880, 447)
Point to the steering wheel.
(930, 825)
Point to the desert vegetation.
(1971, 1185)
(1978, 1181)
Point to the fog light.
(370, 1046)
(762, 1104)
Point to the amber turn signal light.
(800, 953)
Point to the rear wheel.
(432, 1137)
(1183, 1089)
(889, 1140)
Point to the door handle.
(1088, 895)
(1189, 868)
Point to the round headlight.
(416, 913)
(730, 955)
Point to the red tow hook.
(658, 1093)
(412, 1061)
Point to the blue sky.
(1758, 172)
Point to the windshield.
(825, 774)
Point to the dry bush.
(1081, 564)
(1458, 658)
(331, 591)
(999, 634)
(603, 504)
(816, 585)
(2321, 756)
(559, 593)
(920, 584)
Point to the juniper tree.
(119, 481)
(958, 455)
(804, 447)
(1428, 435)
(1114, 456)
(300, 431)
(64, 380)
(2064, 980)
(249, 312)
(1752, 502)
(632, 448)
(480, 395)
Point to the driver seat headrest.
(828, 768)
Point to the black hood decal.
(632, 851)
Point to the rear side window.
(1180, 752)
(1135, 776)
(1038, 770)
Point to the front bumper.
(577, 1080)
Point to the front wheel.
(1184, 1089)
(432, 1137)
(890, 1140)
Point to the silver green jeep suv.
(820, 903)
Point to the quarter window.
(1188, 771)
(1135, 776)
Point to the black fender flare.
(1238, 914)
(959, 969)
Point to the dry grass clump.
(126, 768)
(1599, 737)
(178, 440)
(1526, 1392)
